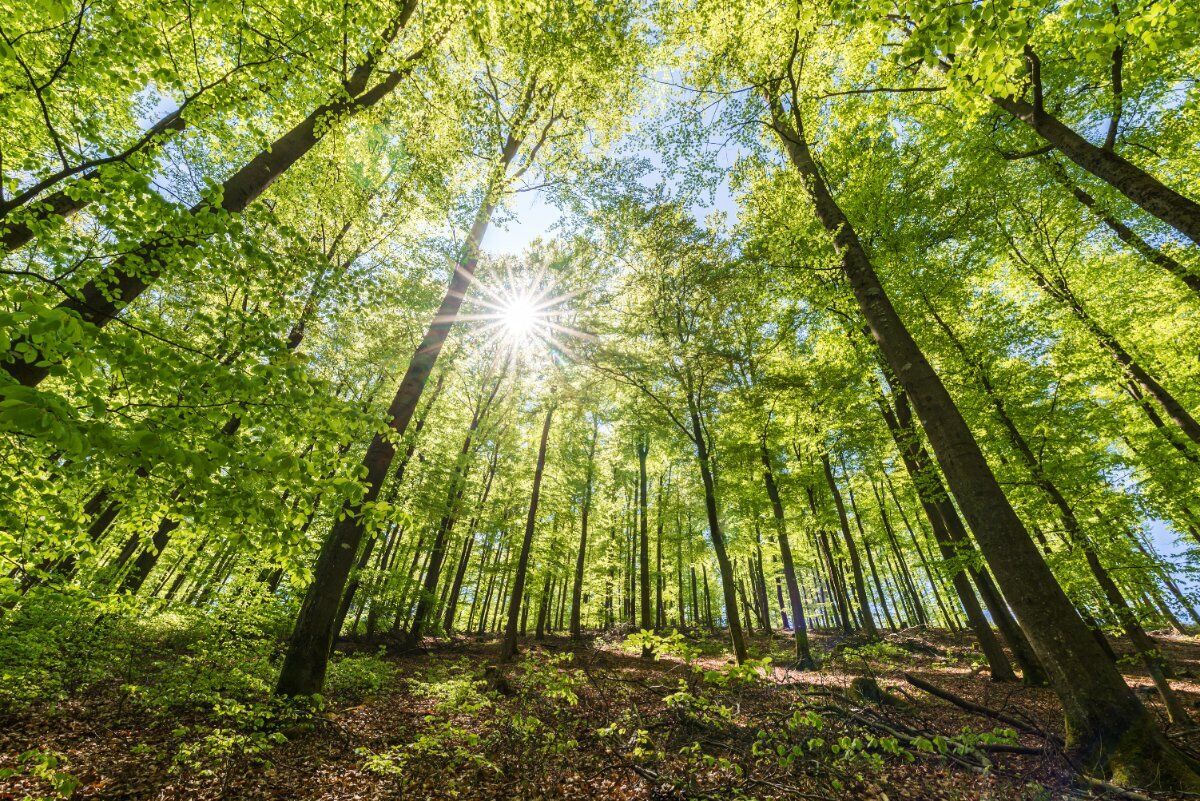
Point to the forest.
(408, 399)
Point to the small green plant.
(750, 672)
(880, 653)
(243, 730)
(450, 745)
(47, 766)
(673, 644)
(547, 677)
(359, 675)
(695, 708)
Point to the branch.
(871, 90)
(1114, 122)
(978, 709)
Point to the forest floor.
(575, 721)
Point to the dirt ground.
(596, 721)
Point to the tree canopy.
(849, 319)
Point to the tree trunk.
(99, 301)
(1107, 728)
(1153, 660)
(718, 539)
(1142, 188)
(1124, 232)
(63, 203)
(577, 585)
(304, 665)
(1134, 371)
(941, 512)
(645, 621)
(508, 648)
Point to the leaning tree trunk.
(1155, 664)
(1133, 369)
(99, 301)
(1123, 232)
(303, 671)
(1142, 188)
(942, 516)
(21, 214)
(1107, 728)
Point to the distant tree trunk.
(645, 622)
(759, 581)
(508, 648)
(1165, 577)
(451, 607)
(908, 586)
(714, 532)
(867, 550)
(695, 596)
(860, 584)
(544, 607)
(679, 593)
(949, 615)
(659, 619)
(455, 490)
(577, 585)
(841, 602)
(708, 613)
(784, 622)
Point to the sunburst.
(524, 313)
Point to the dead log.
(979, 709)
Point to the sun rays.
(525, 314)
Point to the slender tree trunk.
(1134, 371)
(659, 619)
(695, 596)
(508, 648)
(63, 203)
(908, 586)
(860, 584)
(1123, 232)
(544, 607)
(942, 515)
(708, 613)
(577, 585)
(714, 532)
(759, 581)
(645, 622)
(451, 606)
